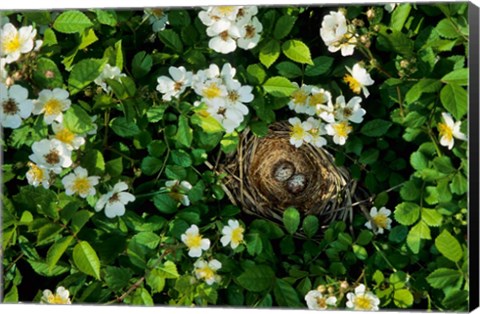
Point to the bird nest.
(267, 175)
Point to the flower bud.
(321, 288)
(344, 285)
(371, 14)
(331, 290)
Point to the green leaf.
(422, 86)
(283, 26)
(364, 237)
(141, 64)
(171, 39)
(124, 128)
(57, 249)
(151, 165)
(418, 161)
(421, 230)
(155, 113)
(87, 38)
(79, 219)
(257, 278)
(181, 158)
(165, 204)
(106, 17)
(443, 277)
(431, 217)
(47, 74)
(254, 243)
(11, 296)
(208, 123)
(376, 128)
(407, 213)
(289, 69)
(291, 219)
(321, 65)
(399, 16)
(70, 22)
(310, 225)
(410, 191)
(369, 156)
(114, 167)
(77, 120)
(458, 76)
(414, 241)
(447, 29)
(297, 51)
(93, 161)
(155, 281)
(459, 184)
(285, 295)
(270, 52)
(117, 278)
(360, 252)
(456, 300)
(403, 298)
(443, 164)
(454, 99)
(83, 73)
(48, 233)
(398, 234)
(184, 134)
(256, 73)
(141, 297)
(86, 259)
(168, 270)
(43, 269)
(279, 86)
(397, 40)
(449, 246)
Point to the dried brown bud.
(283, 170)
(358, 22)
(297, 183)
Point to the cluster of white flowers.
(108, 72)
(359, 300)
(316, 300)
(224, 96)
(61, 296)
(231, 26)
(337, 34)
(449, 130)
(232, 235)
(15, 42)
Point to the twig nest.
(267, 175)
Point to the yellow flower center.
(53, 106)
(157, 13)
(65, 135)
(233, 96)
(354, 85)
(318, 98)
(226, 10)
(56, 299)
(299, 97)
(193, 241)
(37, 172)
(342, 129)
(212, 91)
(297, 132)
(81, 185)
(321, 302)
(445, 131)
(206, 272)
(380, 221)
(237, 235)
(11, 44)
(362, 303)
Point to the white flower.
(317, 130)
(299, 132)
(337, 35)
(358, 79)
(51, 154)
(62, 296)
(319, 99)
(52, 103)
(212, 90)
(178, 191)
(232, 234)
(219, 17)
(317, 301)
(14, 42)
(38, 175)
(175, 86)
(389, 7)
(362, 300)
(299, 98)
(108, 72)
(15, 105)
(157, 18)
(250, 34)
(207, 271)
(380, 219)
(351, 111)
(194, 241)
(224, 41)
(114, 201)
(448, 130)
(80, 183)
(245, 14)
(71, 140)
(339, 131)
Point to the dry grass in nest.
(267, 175)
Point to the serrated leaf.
(141, 64)
(155, 281)
(184, 134)
(449, 246)
(403, 298)
(310, 225)
(257, 278)
(291, 219)
(208, 123)
(279, 86)
(422, 230)
(124, 128)
(83, 73)
(376, 128)
(285, 294)
(459, 184)
(399, 16)
(254, 243)
(168, 270)
(165, 204)
(289, 69)
(283, 26)
(454, 98)
(431, 217)
(117, 278)
(86, 259)
(47, 74)
(151, 165)
(77, 120)
(407, 213)
(443, 277)
(458, 76)
(443, 164)
(171, 39)
(297, 51)
(447, 29)
(418, 161)
(56, 250)
(422, 86)
(269, 53)
(321, 65)
(72, 21)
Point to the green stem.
(383, 256)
